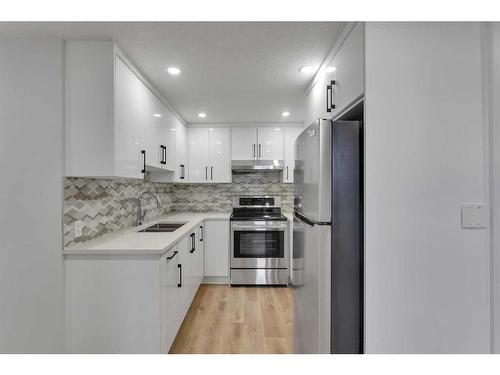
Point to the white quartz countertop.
(131, 242)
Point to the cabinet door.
(192, 284)
(217, 248)
(200, 249)
(243, 143)
(219, 155)
(129, 104)
(169, 296)
(181, 174)
(349, 74)
(198, 144)
(291, 135)
(170, 140)
(184, 277)
(153, 127)
(270, 146)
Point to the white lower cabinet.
(217, 245)
(136, 303)
(170, 313)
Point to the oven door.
(258, 246)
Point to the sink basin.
(162, 228)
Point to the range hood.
(257, 165)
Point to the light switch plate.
(78, 228)
(474, 216)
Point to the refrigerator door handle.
(308, 221)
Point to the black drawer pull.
(179, 266)
(172, 256)
(143, 152)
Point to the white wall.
(494, 91)
(427, 280)
(31, 161)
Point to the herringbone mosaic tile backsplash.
(105, 206)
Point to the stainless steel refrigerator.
(327, 265)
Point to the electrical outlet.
(78, 228)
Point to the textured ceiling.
(236, 72)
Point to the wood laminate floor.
(224, 319)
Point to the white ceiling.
(236, 72)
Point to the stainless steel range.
(259, 243)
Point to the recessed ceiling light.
(202, 114)
(285, 114)
(157, 115)
(330, 69)
(306, 69)
(173, 70)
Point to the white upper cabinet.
(181, 174)
(209, 155)
(219, 155)
(290, 136)
(129, 140)
(349, 73)
(265, 143)
(327, 99)
(115, 124)
(270, 145)
(244, 143)
(198, 154)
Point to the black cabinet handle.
(182, 172)
(143, 152)
(201, 233)
(211, 173)
(179, 284)
(206, 173)
(260, 150)
(329, 96)
(193, 243)
(172, 256)
(254, 150)
(287, 172)
(164, 154)
(162, 148)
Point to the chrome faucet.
(140, 213)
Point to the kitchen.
(215, 207)
(246, 188)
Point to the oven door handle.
(253, 229)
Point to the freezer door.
(311, 275)
(312, 185)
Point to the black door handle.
(206, 173)
(165, 155)
(172, 256)
(182, 172)
(329, 98)
(287, 172)
(201, 233)
(179, 284)
(211, 173)
(193, 245)
(143, 152)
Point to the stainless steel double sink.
(162, 228)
